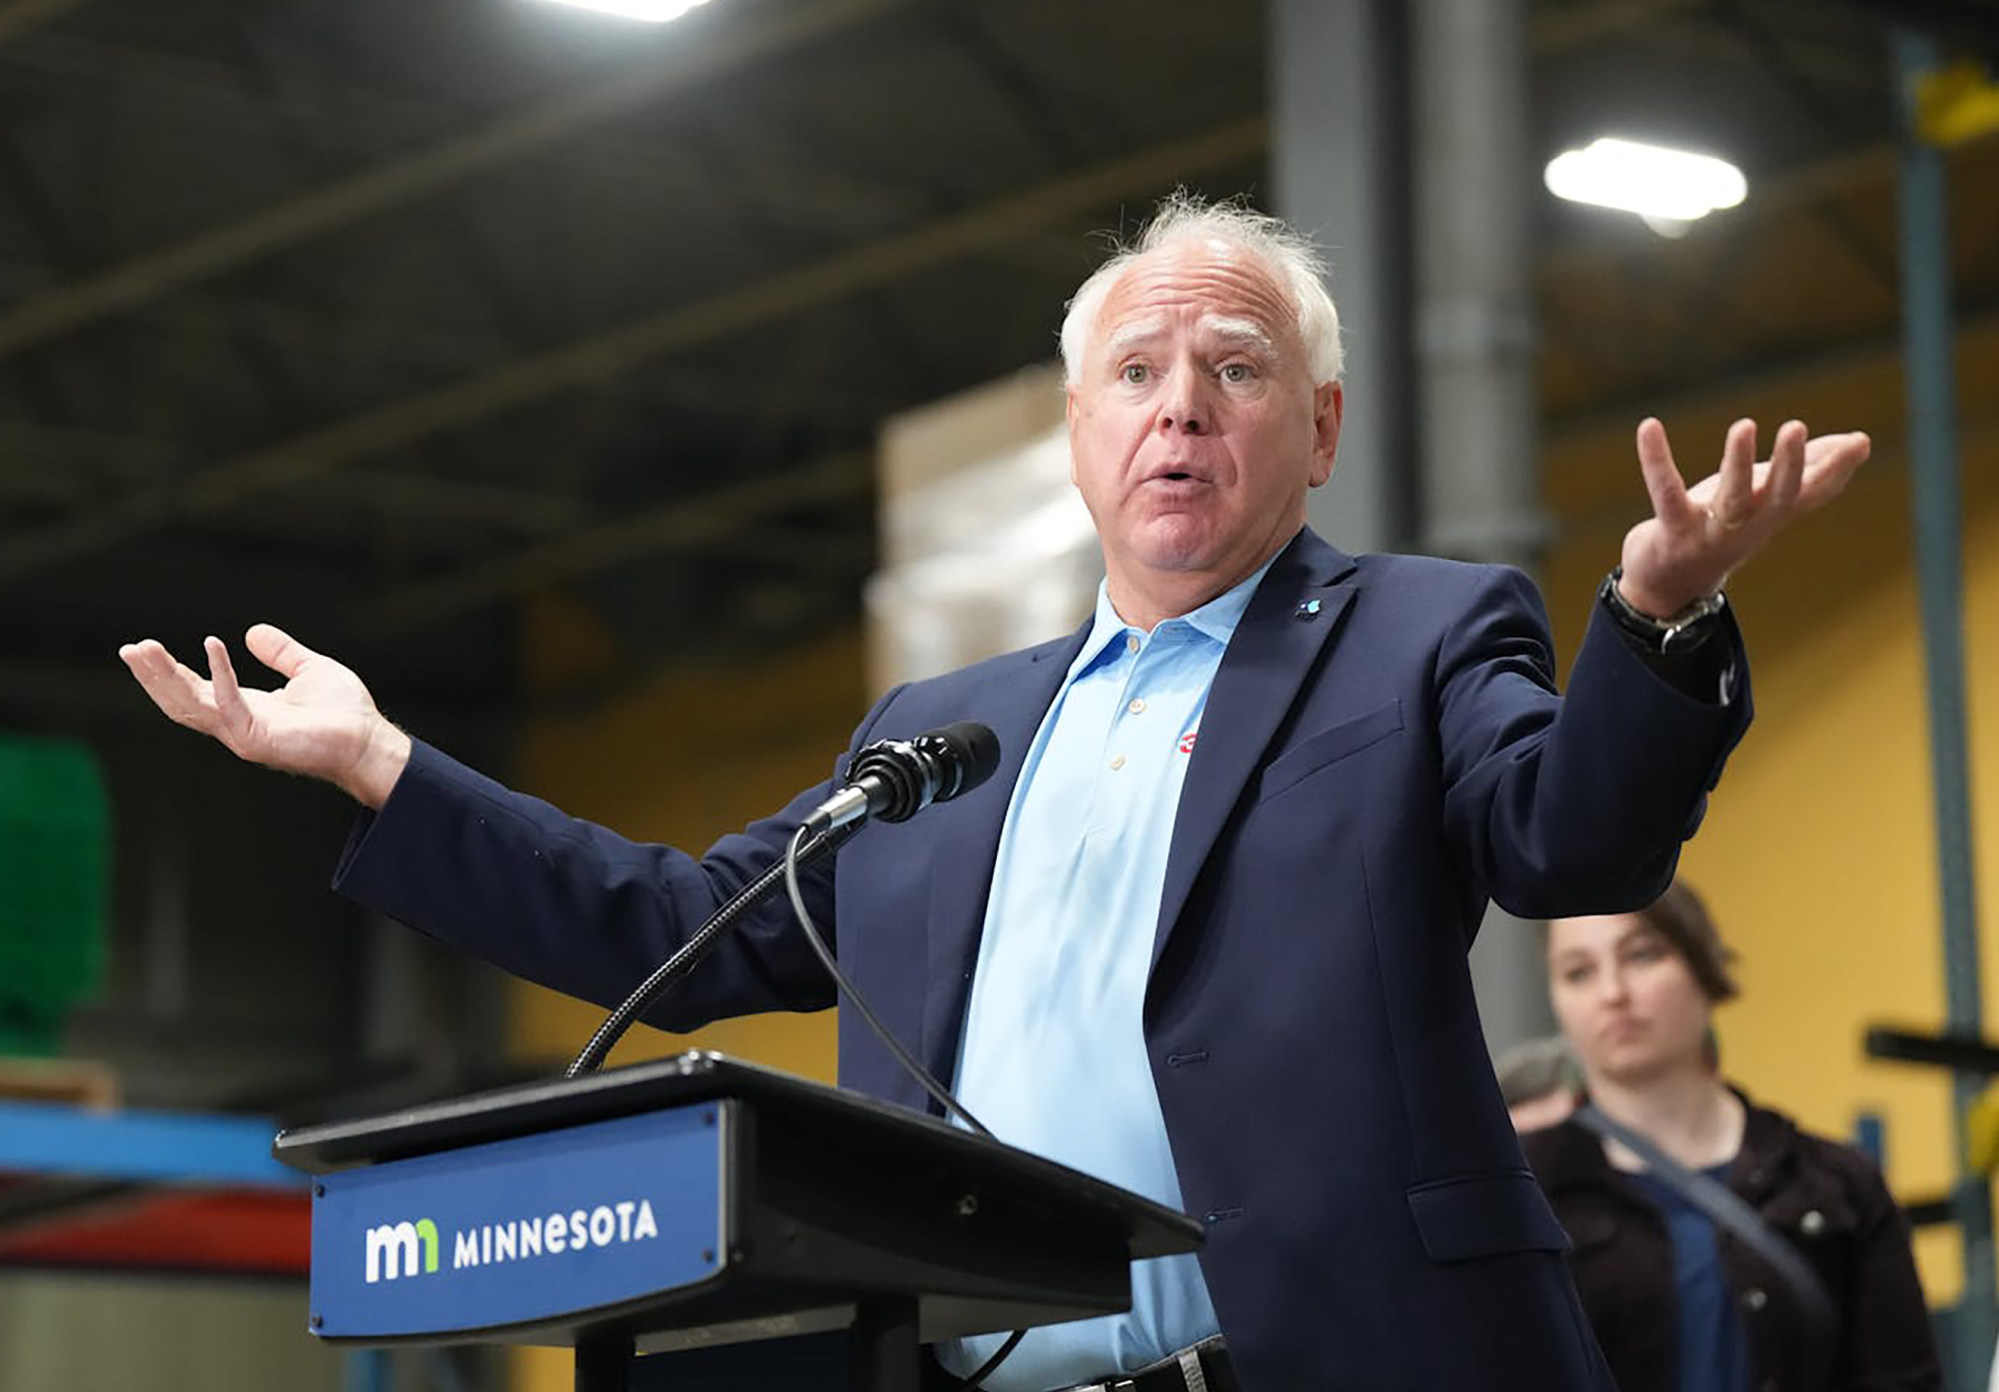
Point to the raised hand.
(322, 722)
(1697, 536)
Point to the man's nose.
(1183, 407)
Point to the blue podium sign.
(520, 1231)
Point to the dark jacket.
(1382, 749)
(1827, 1199)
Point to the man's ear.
(1071, 411)
(1328, 408)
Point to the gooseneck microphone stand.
(696, 950)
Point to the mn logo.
(395, 1248)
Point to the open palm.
(1697, 536)
(321, 722)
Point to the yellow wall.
(649, 764)
(1818, 851)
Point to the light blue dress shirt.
(1053, 1057)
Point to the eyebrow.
(1130, 336)
(1244, 332)
(1638, 932)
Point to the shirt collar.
(1215, 620)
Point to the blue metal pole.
(1930, 372)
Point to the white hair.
(1290, 258)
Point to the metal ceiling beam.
(695, 522)
(1553, 31)
(71, 466)
(25, 16)
(455, 501)
(396, 341)
(1850, 67)
(71, 461)
(787, 552)
(776, 297)
(206, 92)
(763, 31)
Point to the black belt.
(1203, 1368)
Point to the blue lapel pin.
(1309, 609)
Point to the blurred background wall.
(576, 381)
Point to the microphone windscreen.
(977, 750)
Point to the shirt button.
(1755, 1299)
(1812, 1224)
(1131, 642)
(1117, 762)
(1137, 706)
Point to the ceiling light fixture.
(1668, 188)
(652, 11)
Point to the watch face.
(1683, 638)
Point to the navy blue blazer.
(1369, 773)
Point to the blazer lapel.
(1293, 616)
(967, 846)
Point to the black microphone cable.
(850, 995)
(696, 949)
(853, 997)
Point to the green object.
(55, 887)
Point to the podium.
(701, 1201)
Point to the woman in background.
(1677, 1306)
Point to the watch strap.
(1679, 632)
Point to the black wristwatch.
(1681, 632)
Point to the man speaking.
(1204, 932)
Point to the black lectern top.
(792, 1110)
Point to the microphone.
(893, 780)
